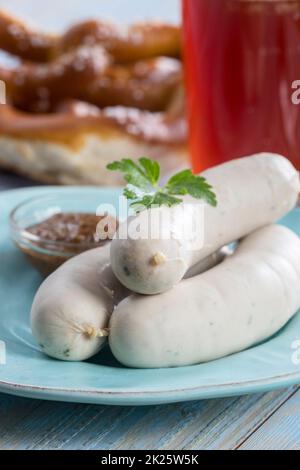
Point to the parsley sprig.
(143, 187)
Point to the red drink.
(242, 57)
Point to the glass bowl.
(47, 254)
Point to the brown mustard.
(65, 235)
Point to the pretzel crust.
(126, 44)
(74, 145)
(72, 117)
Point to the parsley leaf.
(144, 203)
(143, 189)
(185, 182)
(156, 199)
(163, 199)
(129, 193)
(133, 174)
(152, 169)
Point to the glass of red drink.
(242, 61)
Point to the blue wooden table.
(260, 421)
(268, 421)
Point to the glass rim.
(30, 237)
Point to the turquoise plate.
(27, 372)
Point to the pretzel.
(74, 144)
(16, 38)
(35, 87)
(137, 42)
(86, 74)
(77, 100)
(140, 41)
(148, 85)
(72, 115)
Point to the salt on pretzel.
(126, 44)
(137, 42)
(73, 115)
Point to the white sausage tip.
(93, 332)
(158, 259)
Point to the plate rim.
(98, 396)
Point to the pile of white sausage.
(220, 307)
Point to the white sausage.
(251, 192)
(243, 301)
(72, 306)
(71, 309)
(207, 263)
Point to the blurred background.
(58, 15)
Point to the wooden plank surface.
(212, 424)
(281, 431)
